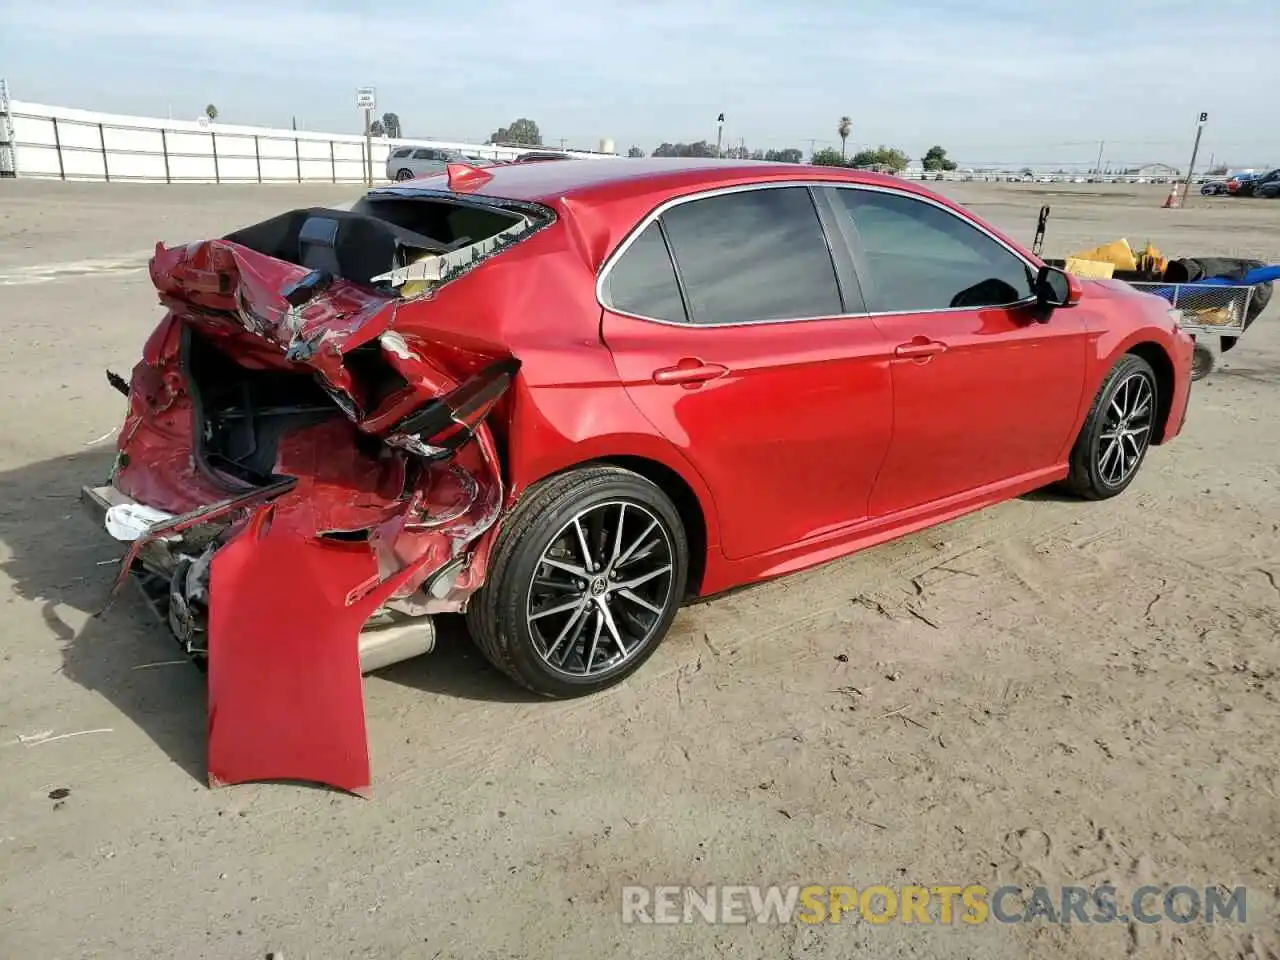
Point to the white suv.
(405, 163)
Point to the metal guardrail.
(218, 157)
(61, 144)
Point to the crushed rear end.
(304, 475)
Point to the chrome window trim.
(662, 208)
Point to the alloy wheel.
(601, 589)
(1126, 429)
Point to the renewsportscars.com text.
(943, 904)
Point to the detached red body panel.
(286, 701)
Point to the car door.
(983, 393)
(740, 334)
(427, 163)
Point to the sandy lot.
(1047, 693)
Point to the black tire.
(1204, 356)
(404, 173)
(1092, 476)
(498, 616)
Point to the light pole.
(1195, 148)
(719, 134)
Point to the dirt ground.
(1046, 693)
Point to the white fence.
(70, 144)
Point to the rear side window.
(403, 152)
(753, 255)
(425, 155)
(643, 281)
(921, 257)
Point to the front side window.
(922, 257)
(643, 281)
(753, 255)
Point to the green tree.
(936, 159)
(391, 125)
(211, 112)
(377, 129)
(828, 158)
(789, 155)
(635, 152)
(844, 128)
(699, 149)
(523, 132)
(889, 157)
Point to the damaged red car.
(564, 398)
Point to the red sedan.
(564, 398)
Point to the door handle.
(690, 370)
(919, 349)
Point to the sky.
(992, 81)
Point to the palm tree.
(846, 125)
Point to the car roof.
(542, 182)
(604, 199)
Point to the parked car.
(537, 156)
(1268, 184)
(1241, 185)
(566, 399)
(406, 163)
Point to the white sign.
(366, 98)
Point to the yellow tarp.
(1090, 269)
(1118, 253)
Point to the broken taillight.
(446, 423)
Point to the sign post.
(1195, 149)
(367, 100)
(8, 149)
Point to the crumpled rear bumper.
(286, 651)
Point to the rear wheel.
(404, 174)
(1204, 357)
(1117, 432)
(585, 580)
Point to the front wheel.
(584, 582)
(1117, 432)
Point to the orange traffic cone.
(1171, 200)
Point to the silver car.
(405, 163)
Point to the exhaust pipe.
(382, 646)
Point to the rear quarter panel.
(567, 407)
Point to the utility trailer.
(1219, 297)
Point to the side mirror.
(1057, 288)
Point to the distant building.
(1154, 170)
